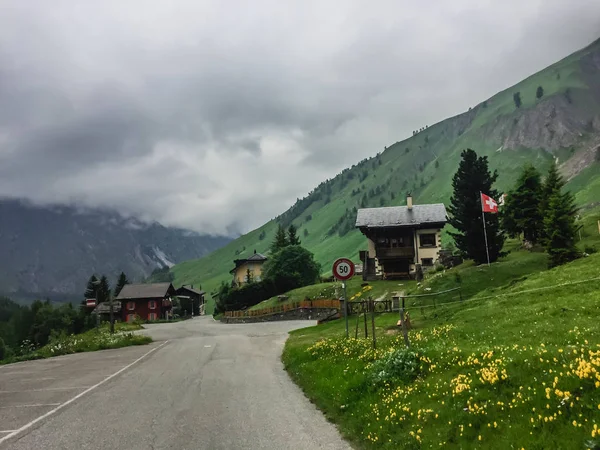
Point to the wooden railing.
(303, 304)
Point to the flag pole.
(487, 250)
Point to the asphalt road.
(200, 385)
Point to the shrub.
(589, 249)
(401, 365)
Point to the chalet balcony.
(397, 252)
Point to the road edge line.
(78, 396)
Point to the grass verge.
(89, 341)
(504, 369)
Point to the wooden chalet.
(400, 239)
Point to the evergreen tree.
(92, 288)
(540, 92)
(249, 276)
(517, 99)
(293, 238)
(121, 282)
(103, 290)
(522, 212)
(553, 183)
(280, 240)
(560, 229)
(473, 177)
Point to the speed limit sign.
(343, 269)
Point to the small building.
(146, 301)
(252, 267)
(400, 238)
(195, 298)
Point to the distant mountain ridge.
(511, 128)
(51, 251)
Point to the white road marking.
(47, 389)
(207, 346)
(7, 431)
(36, 405)
(81, 394)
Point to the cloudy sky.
(216, 115)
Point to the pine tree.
(293, 238)
(473, 177)
(103, 290)
(249, 276)
(92, 288)
(280, 240)
(121, 282)
(540, 92)
(517, 99)
(560, 229)
(553, 183)
(522, 212)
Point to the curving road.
(201, 385)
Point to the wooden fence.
(303, 304)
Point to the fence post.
(403, 322)
(365, 308)
(372, 306)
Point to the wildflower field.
(516, 366)
(93, 340)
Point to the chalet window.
(427, 240)
(152, 316)
(130, 306)
(427, 261)
(152, 304)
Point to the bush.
(589, 249)
(290, 268)
(403, 365)
(248, 295)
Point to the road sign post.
(343, 270)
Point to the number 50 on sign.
(343, 269)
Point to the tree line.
(538, 210)
(24, 328)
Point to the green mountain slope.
(563, 124)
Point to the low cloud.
(216, 117)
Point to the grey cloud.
(217, 115)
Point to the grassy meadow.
(516, 364)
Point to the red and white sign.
(343, 269)
(488, 204)
(90, 302)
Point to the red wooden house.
(146, 301)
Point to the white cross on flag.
(488, 204)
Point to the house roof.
(153, 290)
(256, 257)
(195, 291)
(401, 216)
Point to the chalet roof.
(401, 216)
(256, 257)
(153, 290)
(190, 289)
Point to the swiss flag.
(488, 204)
